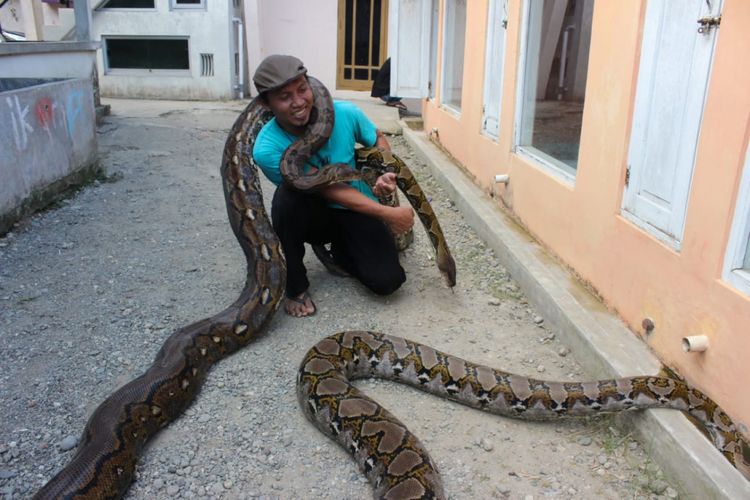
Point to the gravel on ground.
(90, 289)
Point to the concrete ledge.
(606, 346)
(47, 47)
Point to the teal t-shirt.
(350, 127)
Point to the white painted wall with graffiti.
(47, 128)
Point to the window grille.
(207, 65)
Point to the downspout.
(240, 49)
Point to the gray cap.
(277, 70)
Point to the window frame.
(108, 70)
(452, 108)
(738, 246)
(555, 167)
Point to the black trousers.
(360, 244)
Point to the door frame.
(361, 85)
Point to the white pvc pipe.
(695, 343)
(502, 178)
(563, 62)
(240, 46)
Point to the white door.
(494, 60)
(409, 34)
(672, 84)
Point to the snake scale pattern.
(392, 458)
(117, 431)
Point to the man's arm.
(399, 219)
(381, 141)
(386, 183)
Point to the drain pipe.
(240, 46)
(695, 343)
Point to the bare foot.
(300, 306)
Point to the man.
(347, 215)
(381, 87)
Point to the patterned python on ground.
(393, 459)
(117, 431)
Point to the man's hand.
(399, 219)
(385, 184)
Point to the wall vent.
(207, 65)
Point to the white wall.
(47, 59)
(209, 31)
(305, 29)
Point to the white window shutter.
(673, 79)
(408, 46)
(493, 66)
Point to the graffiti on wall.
(19, 121)
(48, 116)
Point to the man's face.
(292, 104)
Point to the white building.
(188, 49)
(169, 49)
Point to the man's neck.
(295, 131)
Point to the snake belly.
(397, 464)
(119, 428)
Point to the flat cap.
(277, 70)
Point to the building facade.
(170, 49)
(617, 134)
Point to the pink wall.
(580, 222)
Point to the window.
(737, 261)
(454, 31)
(146, 53)
(207, 65)
(128, 4)
(187, 4)
(555, 62)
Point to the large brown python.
(117, 431)
(393, 459)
